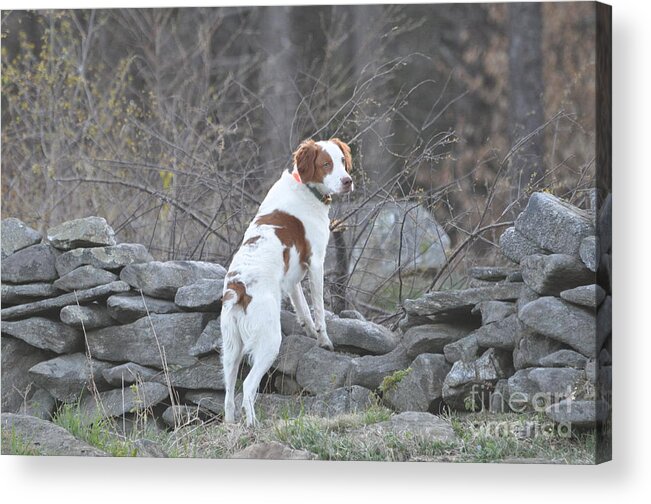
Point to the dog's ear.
(305, 159)
(348, 159)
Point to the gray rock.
(554, 224)
(604, 321)
(359, 336)
(466, 349)
(286, 385)
(46, 305)
(292, 350)
(29, 265)
(432, 338)
(25, 293)
(17, 385)
(46, 438)
(86, 232)
(439, 302)
(420, 389)
(321, 370)
(92, 316)
(490, 273)
(579, 414)
(46, 334)
(351, 314)
(108, 258)
(126, 308)
(586, 295)
(501, 334)
(67, 376)
(551, 274)
(498, 400)
(562, 322)
(272, 451)
(204, 295)
(516, 246)
(589, 252)
(411, 426)
(163, 279)
(40, 404)
(209, 341)
(117, 402)
(144, 340)
(370, 370)
(467, 382)
(537, 388)
(207, 399)
(180, 415)
(84, 277)
(128, 373)
(16, 235)
(564, 358)
(493, 311)
(412, 320)
(531, 348)
(205, 374)
(289, 323)
(340, 401)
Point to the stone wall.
(86, 319)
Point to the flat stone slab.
(203, 295)
(30, 265)
(16, 235)
(432, 338)
(117, 402)
(564, 358)
(370, 370)
(552, 274)
(64, 300)
(210, 400)
(440, 302)
(46, 334)
(47, 438)
(585, 295)
(85, 232)
(128, 373)
(360, 336)
(163, 279)
(493, 311)
(84, 277)
(491, 273)
(272, 451)
(126, 308)
(143, 341)
(26, 293)
(209, 341)
(205, 374)
(500, 334)
(109, 258)
(88, 317)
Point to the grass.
(481, 437)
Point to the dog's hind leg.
(265, 337)
(297, 297)
(232, 353)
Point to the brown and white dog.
(286, 239)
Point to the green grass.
(14, 445)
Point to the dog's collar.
(326, 199)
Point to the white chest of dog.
(286, 240)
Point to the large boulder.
(551, 274)
(370, 370)
(360, 336)
(516, 246)
(26, 293)
(86, 232)
(46, 438)
(564, 322)
(32, 264)
(46, 334)
(206, 373)
(150, 341)
(432, 338)
(47, 305)
(92, 316)
(16, 235)
(203, 295)
(163, 279)
(126, 308)
(109, 258)
(421, 388)
(17, 385)
(321, 370)
(68, 376)
(537, 388)
(84, 277)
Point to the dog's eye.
(326, 164)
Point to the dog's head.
(325, 165)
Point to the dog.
(286, 240)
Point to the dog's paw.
(323, 341)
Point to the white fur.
(260, 266)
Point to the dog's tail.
(235, 295)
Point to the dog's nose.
(346, 182)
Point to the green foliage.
(391, 381)
(14, 445)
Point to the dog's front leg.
(316, 289)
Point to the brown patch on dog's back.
(313, 162)
(252, 240)
(291, 233)
(243, 299)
